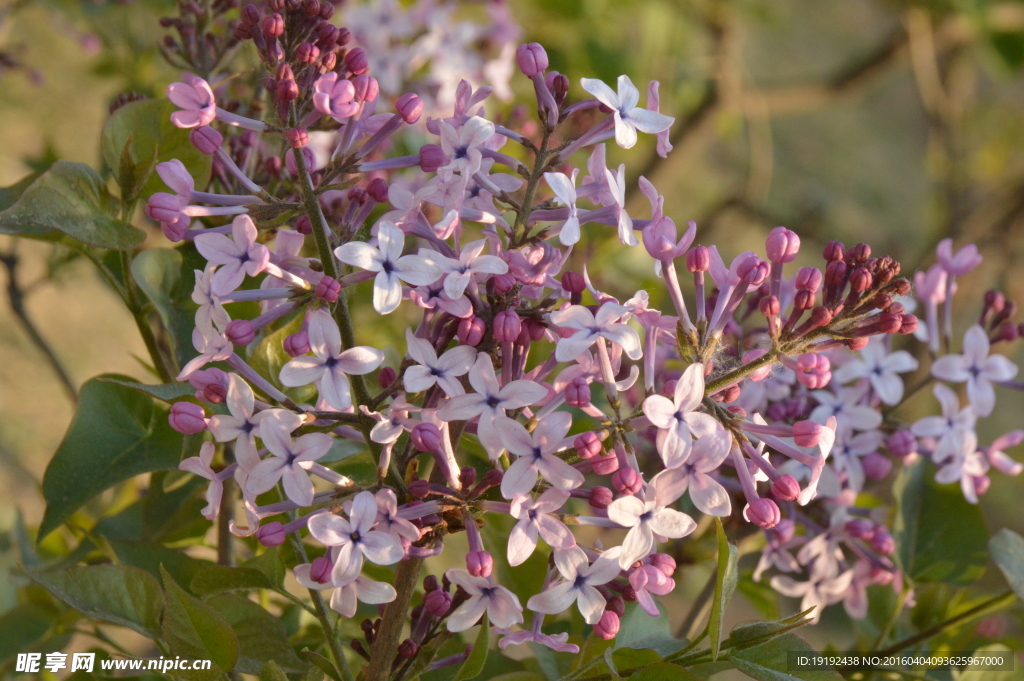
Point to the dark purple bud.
(573, 282)
(764, 513)
(356, 62)
(531, 59)
(297, 344)
(471, 331)
(770, 306)
(271, 534)
(608, 626)
(187, 417)
(430, 584)
(250, 15)
(601, 497)
(479, 563)
(378, 189)
(307, 53)
(419, 489)
(426, 437)
(588, 445)
(467, 476)
(627, 481)
(902, 443)
(328, 288)
(206, 139)
(883, 543)
(240, 332)
(311, 7)
(617, 605)
(437, 602)
(860, 528)
(507, 326)
(803, 300)
(431, 158)
(785, 488)
(386, 376)
(834, 251)
(698, 259)
(782, 245)
(320, 570)
(577, 393)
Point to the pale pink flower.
(978, 368)
(648, 519)
(462, 146)
(355, 538)
(706, 493)
(965, 467)
(458, 273)
(846, 406)
(211, 312)
(677, 420)
(200, 465)
(629, 118)
(959, 263)
(999, 459)
(431, 370)
(333, 97)
(589, 327)
(195, 98)
(388, 519)
(501, 605)
(647, 580)
(238, 256)
(291, 458)
(211, 345)
(580, 579)
(848, 451)
(243, 425)
(535, 520)
(950, 429)
(824, 586)
(536, 456)
(617, 189)
(881, 368)
(564, 188)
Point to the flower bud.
(426, 437)
(240, 332)
(205, 139)
(605, 465)
(271, 534)
(250, 15)
(601, 497)
(408, 648)
(378, 190)
(834, 251)
(785, 488)
(753, 270)
(273, 25)
(558, 84)
(803, 300)
(608, 626)
(356, 61)
(813, 370)
(902, 443)
(297, 344)
(908, 324)
(507, 326)
(328, 288)
(187, 417)
(876, 466)
(503, 283)
(808, 279)
(856, 344)
(770, 306)
(785, 530)
(698, 259)
(432, 157)
(471, 331)
(299, 138)
(764, 513)
(531, 59)
(664, 562)
(882, 542)
(419, 489)
(409, 107)
(386, 376)
(534, 329)
(577, 393)
(782, 245)
(860, 253)
(479, 563)
(307, 53)
(573, 282)
(467, 476)
(164, 207)
(860, 280)
(430, 584)
(437, 602)
(320, 570)
(492, 478)
(366, 88)
(627, 481)
(587, 444)
(617, 605)
(807, 433)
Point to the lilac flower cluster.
(765, 390)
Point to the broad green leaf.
(195, 630)
(217, 579)
(8, 195)
(160, 516)
(323, 664)
(118, 594)
(151, 556)
(770, 661)
(116, 434)
(639, 630)
(755, 633)
(1010, 47)
(261, 636)
(70, 199)
(760, 594)
(168, 392)
(271, 672)
(940, 537)
(631, 658)
(474, 664)
(663, 671)
(23, 627)
(725, 585)
(145, 126)
(158, 273)
(270, 564)
(1007, 549)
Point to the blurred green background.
(895, 123)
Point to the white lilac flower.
(564, 188)
(391, 266)
(291, 458)
(881, 367)
(846, 407)
(238, 256)
(355, 538)
(824, 586)
(430, 369)
(535, 520)
(589, 327)
(459, 272)
(388, 519)
(628, 116)
(677, 420)
(489, 402)
(706, 493)
(211, 345)
(848, 451)
(965, 467)
(950, 429)
(536, 456)
(243, 425)
(581, 579)
(648, 520)
(977, 368)
(617, 187)
(330, 366)
(200, 465)
(211, 313)
(501, 605)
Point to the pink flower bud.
(409, 107)
(426, 437)
(307, 156)
(507, 326)
(605, 465)
(770, 306)
(271, 534)
(328, 288)
(860, 528)
(419, 489)
(299, 138)
(902, 443)
(467, 476)
(627, 481)
(320, 570)
(206, 139)
(664, 562)
(860, 279)
(273, 25)
(698, 259)
(807, 433)
(617, 605)
(187, 417)
(531, 59)
(240, 332)
(297, 344)
(432, 157)
(356, 62)
(378, 189)
(909, 325)
(860, 253)
(408, 649)
(785, 488)
(813, 370)
(573, 282)
(608, 626)
(479, 563)
(212, 383)
(808, 279)
(601, 497)
(785, 530)
(753, 271)
(386, 376)
(782, 245)
(882, 542)
(471, 331)
(764, 513)
(250, 15)
(588, 445)
(164, 207)
(307, 53)
(437, 602)
(366, 88)
(876, 466)
(577, 393)
(503, 283)
(834, 251)
(303, 225)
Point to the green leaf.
(639, 630)
(322, 663)
(70, 199)
(725, 585)
(631, 658)
(158, 273)
(769, 661)
(270, 564)
(1007, 549)
(168, 392)
(261, 636)
(118, 594)
(195, 630)
(9, 195)
(755, 633)
(145, 128)
(940, 537)
(271, 672)
(217, 579)
(151, 557)
(663, 671)
(474, 664)
(23, 627)
(116, 434)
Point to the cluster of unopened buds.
(760, 392)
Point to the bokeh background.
(892, 122)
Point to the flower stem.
(385, 645)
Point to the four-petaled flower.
(707, 454)
(199, 107)
(501, 605)
(581, 579)
(355, 538)
(243, 426)
(950, 429)
(825, 586)
(881, 367)
(459, 272)
(535, 521)
(648, 520)
(589, 327)
(431, 369)
(536, 452)
(677, 420)
(628, 116)
(291, 458)
(237, 256)
(564, 188)
(200, 465)
(978, 368)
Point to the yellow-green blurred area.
(890, 122)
